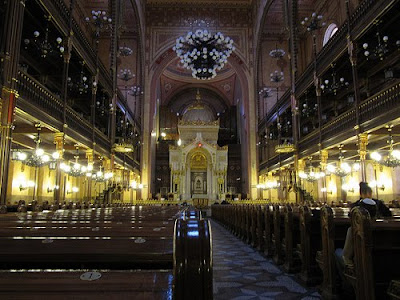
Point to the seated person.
(345, 256)
(366, 192)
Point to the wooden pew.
(334, 225)
(278, 233)
(291, 239)
(310, 236)
(376, 254)
(115, 246)
(268, 230)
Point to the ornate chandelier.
(392, 160)
(37, 157)
(204, 53)
(343, 169)
(311, 175)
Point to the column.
(362, 151)
(10, 49)
(323, 155)
(59, 142)
(89, 156)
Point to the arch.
(329, 32)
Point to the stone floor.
(241, 273)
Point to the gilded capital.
(362, 145)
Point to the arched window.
(330, 31)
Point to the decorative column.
(59, 142)
(323, 155)
(10, 49)
(362, 151)
(89, 156)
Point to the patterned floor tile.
(241, 273)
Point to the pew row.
(170, 247)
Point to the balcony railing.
(364, 14)
(39, 96)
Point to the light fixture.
(343, 169)
(277, 77)
(51, 189)
(334, 85)
(77, 170)
(377, 184)
(37, 157)
(135, 91)
(73, 190)
(392, 160)
(311, 175)
(313, 23)
(81, 85)
(203, 52)
(381, 48)
(126, 75)
(179, 142)
(100, 21)
(265, 92)
(277, 53)
(26, 185)
(125, 51)
(325, 190)
(42, 43)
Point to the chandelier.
(135, 91)
(277, 53)
(265, 92)
(125, 51)
(125, 75)
(334, 85)
(277, 77)
(311, 175)
(381, 48)
(100, 176)
(81, 85)
(100, 21)
(343, 169)
(204, 53)
(37, 157)
(392, 160)
(313, 23)
(43, 43)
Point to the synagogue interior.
(198, 149)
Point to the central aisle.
(240, 272)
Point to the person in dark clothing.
(366, 192)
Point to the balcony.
(41, 103)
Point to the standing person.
(366, 192)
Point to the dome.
(198, 111)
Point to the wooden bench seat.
(115, 239)
(376, 254)
(67, 284)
